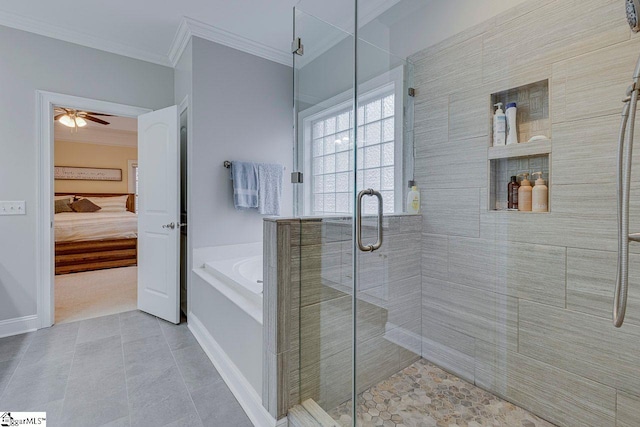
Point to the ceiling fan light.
(81, 122)
(67, 121)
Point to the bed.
(95, 240)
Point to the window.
(329, 158)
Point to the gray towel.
(245, 185)
(269, 188)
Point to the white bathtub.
(243, 274)
(226, 317)
(236, 272)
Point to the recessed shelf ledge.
(523, 149)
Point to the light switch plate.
(13, 208)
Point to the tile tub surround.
(521, 304)
(424, 395)
(117, 370)
(313, 359)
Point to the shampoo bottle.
(413, 201)
(512, 195)
(524, 194)
(499, 126)
(512, 131)
(540, 195)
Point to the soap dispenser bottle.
(413, 201)
(512, 193)
(499, 126)
(512, 129)
(540, 195)
(524, 194)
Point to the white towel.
(269, 188)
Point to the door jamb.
(185, 105)
(45, 101)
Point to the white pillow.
(67, 197)
(110, 204)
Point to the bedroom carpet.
(92, 294)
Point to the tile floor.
(423, 395)
(127, 369)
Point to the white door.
(159, 214)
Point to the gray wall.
(29, 63)
(183, 74)
(518, 303)
(241, 110)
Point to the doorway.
(45, 265)
(95, 213)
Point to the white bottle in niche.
(540, 195)
(499, 126)
(512, 131)
(413, 201)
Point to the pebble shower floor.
(423, 395)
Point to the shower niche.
(529, 155)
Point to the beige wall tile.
(585, 345)
(472, 262)
(454, 212)
(442, 72)
(585, 151)
(477, 313)
(533, 272)
(597, 81)
(435, 256)
(431, 123)
(469, 115)
(449, 349)
(556, 395)
(550, 34)
(457, 164)
(628, 410)
(591, 278)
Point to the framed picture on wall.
(87, 174)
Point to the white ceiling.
(156, 31)
(145, 29)
(121, 131)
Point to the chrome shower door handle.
(378, 244)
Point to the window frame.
(389, 82)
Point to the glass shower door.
(388, 240)
(359, 308)
(324, 117)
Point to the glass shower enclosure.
(470, 312)
(359, 251)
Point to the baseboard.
(18, 325)
(237, 383)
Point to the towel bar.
(227, 164)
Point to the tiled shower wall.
(308, 313)
(520, 304)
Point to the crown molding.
(60, 33)
(190, 27)
(179, 43)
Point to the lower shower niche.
(502, 169)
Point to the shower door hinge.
(412, 92)
(296, 178)
(297, 47)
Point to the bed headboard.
(131, 200)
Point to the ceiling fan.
(77, 118)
